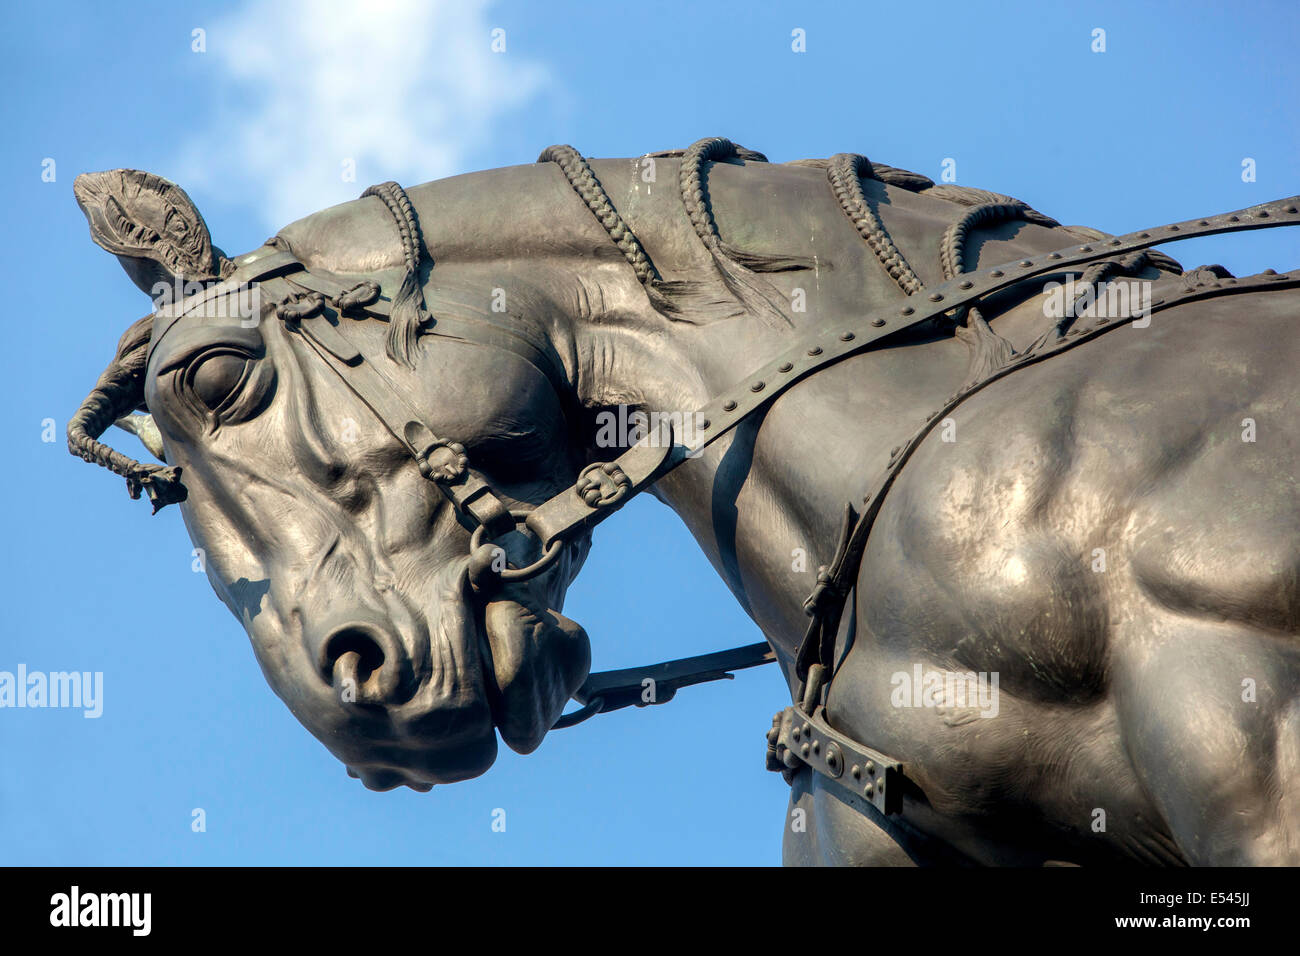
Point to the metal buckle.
(482, 571)
(798, 738)
(601, 484)
(303, 307)
(359, 296)
(443, 460)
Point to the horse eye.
(215, 378)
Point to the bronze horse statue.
(1070, 635)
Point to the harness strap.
(440, 461)
(607, 691)
(301, 295)
(799, 737)
(649, 460)
(335, 289)
(568, 511)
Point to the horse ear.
(151, 226)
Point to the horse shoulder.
(970, 540)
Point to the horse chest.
(1050, 546)
(980, 660)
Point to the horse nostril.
(353, 663)
(362, 658)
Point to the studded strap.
(568, 511)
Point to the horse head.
(350, 572)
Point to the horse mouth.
(517, 664)
(534, 659)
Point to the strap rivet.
(966, 284)
(1025, 263)
(879, 322)
(784, 367)
(846, 337)
(997, 273)
(815, 350)
(756, 387)
(936, 296)
(834, 760)
(906, 310)
(729, 405)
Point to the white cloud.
(405, 88)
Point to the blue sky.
(1154, 129)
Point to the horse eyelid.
(194, 343)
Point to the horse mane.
(119, 391)
(989, 351)
(735, 286)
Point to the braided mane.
(119, 391)
(736, 287)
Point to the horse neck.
(775, 488)
(765, 501)
(758, 496)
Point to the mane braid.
(737, 289)
(736, 268)
(120, 390)
(845, 172)
(732, 292)
(664, 296)
(408, 312)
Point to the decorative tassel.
(408, 315)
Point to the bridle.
(314, 304)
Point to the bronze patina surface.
(1052, 550)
